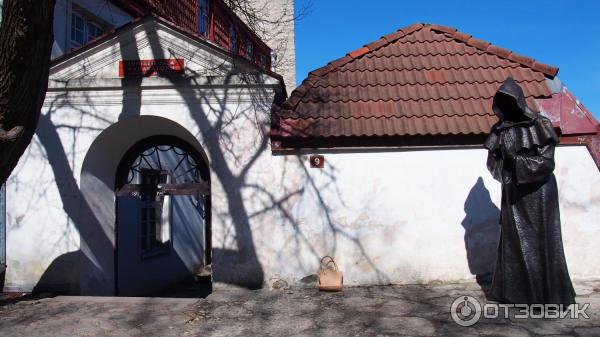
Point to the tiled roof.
(422, 80)
(183, 14)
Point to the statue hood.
(534, 130)
(509, 103)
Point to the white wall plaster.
(386, 216)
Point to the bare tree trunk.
(25, 45)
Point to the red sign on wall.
(145, 68)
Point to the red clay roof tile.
(412, 28)
(499, 51)
(477, 43)
(393, 126)
(443, 29)
(544, 68)
(462, 36)
(359, 52)
(394, 36)
(420, 80)
(521, 59)
(376, 44)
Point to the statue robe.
(530, 266)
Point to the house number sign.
(317, 161)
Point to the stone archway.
(162, 215)
(97, 184)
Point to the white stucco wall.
(390, 216)
(387, 217)
(402, 216)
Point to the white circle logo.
(465, 310)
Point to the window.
(154, 213)
(203, 17)
(263, 61)
(158, 175)
(77, 30)
(249, 50)
(93, 31)
(83, 29)
(232, 39)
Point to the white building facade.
(135, 183)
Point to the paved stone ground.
(357, 311)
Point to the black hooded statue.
(531, 266)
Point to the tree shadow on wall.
(216, 111)
(62, 275)
(211, 111)
(482, 233)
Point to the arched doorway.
(162, 189)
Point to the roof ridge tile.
(376, 44)
(462, 37)
(412, 28)
(528, 61)
(445, 29)
(502, 52)
(359, 52)
(479, 44)
(544, 68)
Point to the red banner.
(145, 68)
